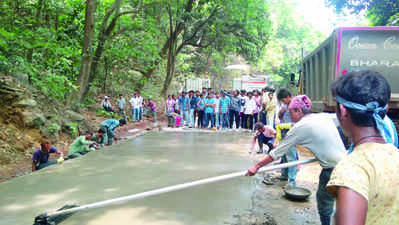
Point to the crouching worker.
(98, 139)
(264, 135)
(109, 126)
(40, 156)
(80, 146)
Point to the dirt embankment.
(27, 116)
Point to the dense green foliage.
(145, 45)
(379, 12)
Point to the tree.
(380, 12)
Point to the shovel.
(56, 217)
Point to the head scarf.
(373, 107)
(300, 101)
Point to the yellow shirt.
(372, 170)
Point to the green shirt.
(79, 145)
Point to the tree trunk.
(86, 54)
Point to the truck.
(250, 83)
(350, 49)
(196, 84)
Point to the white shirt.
(140, 99)
(318, 133)
(250, 106)
(135, 103)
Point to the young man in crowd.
(365, 182)
(80, 146)
(224, 110)
(140, 104)
(217, 110)
(121, 106)
(193, 106)
(209, 110)
(234, 109)
(135, 103)
(250, 109)
(41, 156)
(284, 96)
(243, 101)
(201, 112)
(196, 109)
(184, 107)
(318, 133)
(109, 126)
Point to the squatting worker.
(365, 182)
(318, 133)
(41, 156)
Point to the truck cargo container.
(350, 49)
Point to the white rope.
(175, 188)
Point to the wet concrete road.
(147, 162)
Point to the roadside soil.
(22, 164)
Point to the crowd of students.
(224, 110)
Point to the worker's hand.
(252, 170)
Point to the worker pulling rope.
(55, 217)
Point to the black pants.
(248, 121)
(233, 116)
(255, 118)
(195, 116)
(249, 124)
(201, 114)
(263, 117)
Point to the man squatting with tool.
(318, 133)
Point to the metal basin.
(297, 193)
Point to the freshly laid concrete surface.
(148, 162)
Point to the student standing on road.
(234, 109)
(209, 110)
(170, 109)
(41, 156)
(217, 110)
(318, 133)
(249, 111)
(196, 109)
(365, 183)
(201, 112)
(193, 105)
(243, 100)
(224, 110)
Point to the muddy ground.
(271, 207)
